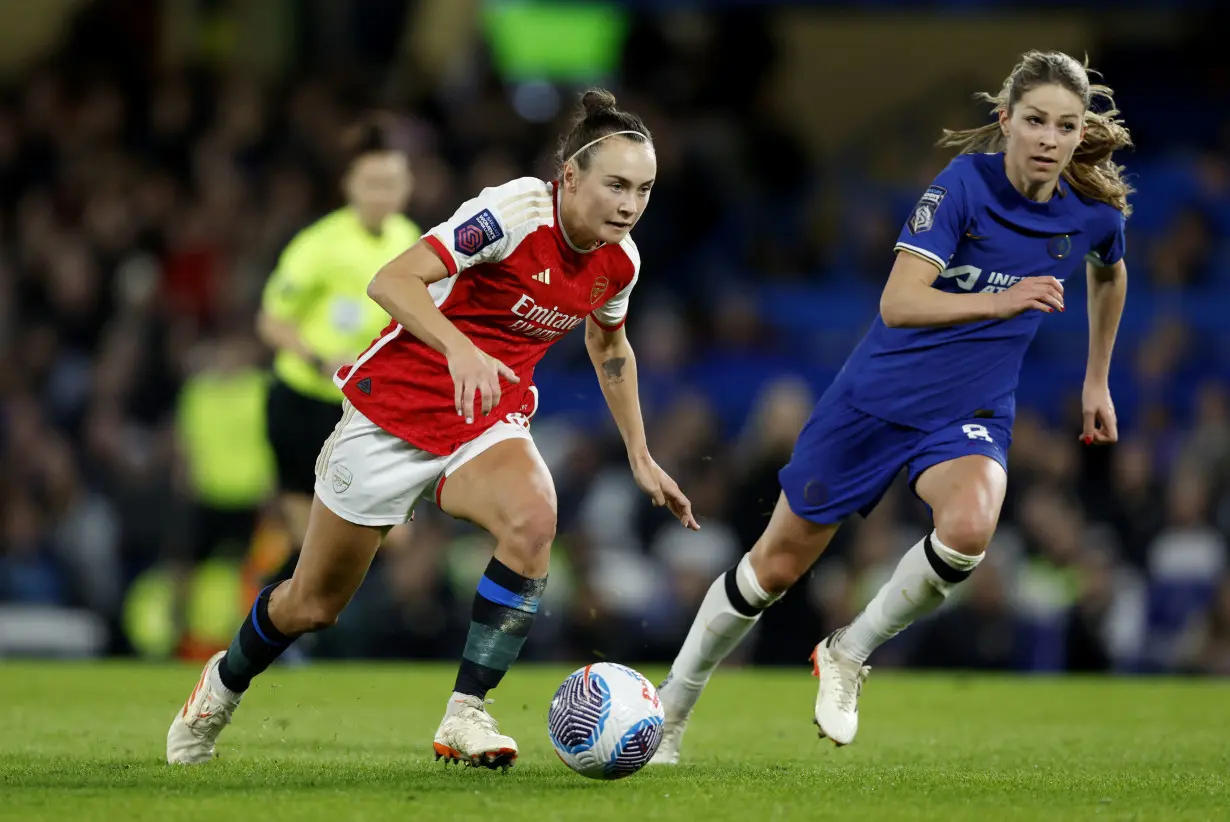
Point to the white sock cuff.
(215, 680)
(954, 559)
(749, 586)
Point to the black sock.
(255, 646)
(504, 609)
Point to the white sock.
(720, 625)
(215, 682)
(915, 590)
(458, 701)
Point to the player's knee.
(528, 534)
(776, 567)
(967, 532)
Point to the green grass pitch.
(85, 742)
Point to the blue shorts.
(846, 459)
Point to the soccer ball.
(605, 721)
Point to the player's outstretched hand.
(664, 491)
(1030, 294)
(1101, 424)
(476, 372)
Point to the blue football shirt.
(984, 236)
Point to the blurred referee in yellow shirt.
(315, 312)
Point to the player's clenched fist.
(1031, 293)
(474, 371)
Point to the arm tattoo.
(614, 369)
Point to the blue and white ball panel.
(635, 748)
(579, 712)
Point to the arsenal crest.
(600, 286)
(341, 478)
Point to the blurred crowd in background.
(145, 199)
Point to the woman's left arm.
(615, 364)
(1107, 294)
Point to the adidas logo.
(543, 277)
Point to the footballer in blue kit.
(1029, 200)
(916, 397)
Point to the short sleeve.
(482, 229)
(612, 314)
(934, 227)
(1111, 248)
(296, 282)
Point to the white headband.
(594, 142)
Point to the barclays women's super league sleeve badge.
(1059, 246)
(924, 213)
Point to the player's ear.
(1003, 121)
(570, 177)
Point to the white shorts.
(368, 476)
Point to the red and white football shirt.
(516, 284)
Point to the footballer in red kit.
(516, 283)
(439, 407)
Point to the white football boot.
(841, 684)
(472, 736)
(678, 700)
(193, 736)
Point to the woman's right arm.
(292, 290)
(909, 301)
(283, 335)
(400, 288)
